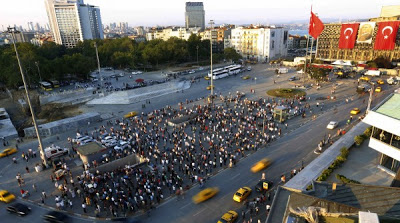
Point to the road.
(288, 152)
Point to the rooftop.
(90, 148)
(194, 3)
(391, 107)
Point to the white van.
(54, 151)
(373, 73)
(282, 70)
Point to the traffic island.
(286, 93)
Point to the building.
(363, 50)
(385, 137)
(297, 42)
(24, 37)
(195, 15)
(7, 129)
(165, 34)
(72, 21)
(260, 43)
(213, 36)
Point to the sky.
(171, 12)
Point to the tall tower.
(72, 21)
(195, 15)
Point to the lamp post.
(42, 155)
(197, 49)
(37, 65)
(98, 65)
(211, 67)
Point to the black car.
(19, 209)
(56, 217)
(263, 185)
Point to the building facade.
(385, 137)
(260, 43)
(165, 34)
(195, 15)
(72, 21)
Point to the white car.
(86, 141)
(122, 145)
(332, 125)
(192, 71)
(79, 139)
(248, 68)
(121, 75)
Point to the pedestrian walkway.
(312, 171)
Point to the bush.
(358, 140)
(368, 132)
(344, 152)
(344, 179)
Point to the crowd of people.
(216, 136)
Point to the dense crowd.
(216, 136)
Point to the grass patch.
(286, 93)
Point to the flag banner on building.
(348, 35)
(316, 26)
(386, 35)
(365, 32)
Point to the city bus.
(46, 86)
(214, 71)
(54, 83)
(235, 69)
(220, 74)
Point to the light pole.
(37, 65)
(98, 65)
(12, 31)
(211, 68)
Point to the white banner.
(365, 32)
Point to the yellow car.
(130, 114)
(229, 217)
(262, 164)
(380, 81)
(6, 197)
(246, 77)
(205, 194)
(207, 78)
(8, 152)
(364, 78)
(355, 111)
(210, 86)
(378, 89)
(242, 194)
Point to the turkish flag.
(386, 35)
(348, 35)
(316, 26)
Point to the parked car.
(121, 145)
(55, 151)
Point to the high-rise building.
(195, 15)
(72, 21)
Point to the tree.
(382, 62)
(231, 54)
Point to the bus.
(220, 74)
(46, 86)
(215, 70)
(54, 83)
(235, 69)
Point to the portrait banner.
(365, 32)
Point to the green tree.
(231, 54)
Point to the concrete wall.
(68, 96)
(63, 125)
(128, 160)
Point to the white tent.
(347, 63)
(338, 62)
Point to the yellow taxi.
(262, 164)
(365, 78)
(246, 77)
(355, 111)
(380, 81)
(130, 114)
(210, 86)
(6, 196)
(205, 194)
(229, 217)
(8, 151)
(378, 89)
(207, 78)
(242, 194)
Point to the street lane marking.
(235, 176)
(199, 212)
(185, 205)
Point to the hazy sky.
(171, 12)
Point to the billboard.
(365, 32)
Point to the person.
(84, 207)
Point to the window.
(272, 33)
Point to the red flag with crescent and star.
(348, 35)
(316, 26)
(386, 35)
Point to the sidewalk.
(312, 171)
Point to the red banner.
(316, 26)
(348, 35)
(386, 35)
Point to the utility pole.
(211, 67)
(197, 48)
(371, 91)
(37, 65)
(98, 65)
(42, 155)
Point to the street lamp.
(37, 65)
(197, 48)
(98, 65)
(42, 156)
(212, 77)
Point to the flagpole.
(305, 61)
(316, 49)
(312, 44)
